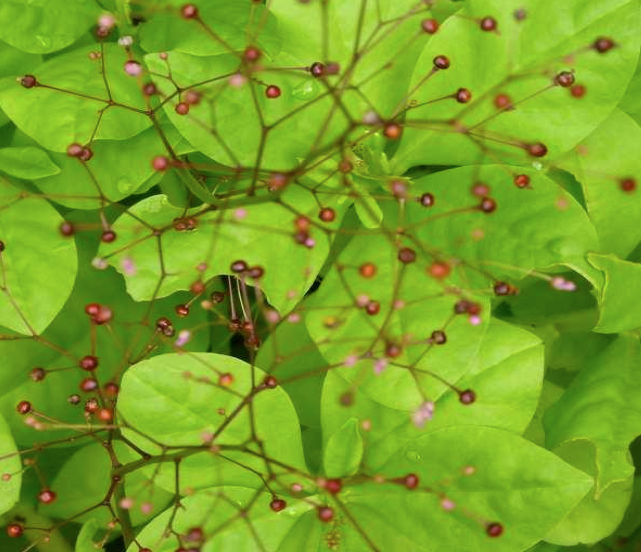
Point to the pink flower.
(423, 414)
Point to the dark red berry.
(564, 79)
(239, 266)
(441, 62)
(461, 307)
(272, 91)
(317, 69)
(195, 534)
(467, 397)
(256, 272)
(345, 166)
(88, 363)
(463, 95)
(407, 255)
(108, 236)
(74, 150)
(502, 288)
(392, 350)
(537, 149)
(603, 44)
(494, 530)
(438, 337)
(521, 180)
(149, 89)
(252, 54)
(189, 11)
(111, 388)
(628, 184)
(88, 385)
(488, 24)
(182, 310)
(278, 504)
(325, 514)
(86, 154)
(15, 530)
(91, 406)
(334, 486)
(28, 81)
(46, 496)
(373, 307)
(38, 374)
(430, 26)
(24, 407)
(487, 205)
(411, 481)
(67, 229)
(427, 200)
(270, 382)
(182, 108)
(327, 214)
(163, 323)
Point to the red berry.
(182, 310)
(160, 163)
(392, 131)
(88, 363)
(487, 205)
(317, 69)
(578, 91)
(564, 79)
(407, 255)
(189, 11)
(427, 200)
(537, 149)
(92, 309)
(430, 26)
(488, 24)
(467, 397)
(521, 180)
(24, 407)
(38, 374)
(334, 486)
(411, 481)
(438, 337)
(494, 530)
(108, 236)
(463, 95)
(15, 530)
(252, 54)
(67, 229)
(503, 101)
(272, 91)
(327, 214)
(277, 504)
(367, 270)
(88, 385)
(271, 382)
(439, 270)
(325, 514)
(628, 184)
(149, 89)
(182, 108)
(86, 154)
(74, 150)
(603, 44)
(46, 496)
(441, 62)
(28, 81)
(373, 307)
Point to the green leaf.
(79, 488)
(367, 208)
(610, 154)
(517, 62)
(9, 463)
(36, 258)
(412, 306)
(535, 228)
(56, 118)
(506, 376)
(594, 518)
(234, 23)
(621, 289)
(237, 113)
(28, 163)
(602, 406)
(260, 234)
(344, 450)
(42, 26)
(85, 541)
(181, 408)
